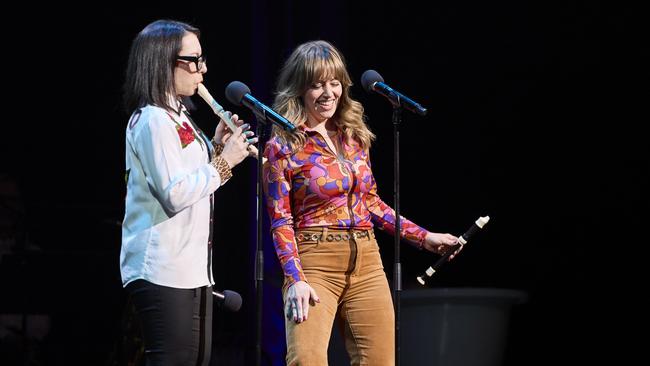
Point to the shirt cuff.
(222, 167)
(218, 148)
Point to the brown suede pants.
(345, 269)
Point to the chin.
(188, 93)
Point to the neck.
(175, 102)
(324, 125)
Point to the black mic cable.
(462, 240)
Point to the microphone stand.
(260, 117)
(397, 269)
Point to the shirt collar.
(177, 105)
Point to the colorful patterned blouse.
(314, 187)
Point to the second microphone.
(239, 94)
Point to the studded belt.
(326, 234)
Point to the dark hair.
(150, 69)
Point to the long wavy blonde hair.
(309, 63)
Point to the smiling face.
(186, 76)
(321, 100)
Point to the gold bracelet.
(222, 167)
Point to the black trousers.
(176, 323)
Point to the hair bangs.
(323, 63)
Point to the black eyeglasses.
(199, 61)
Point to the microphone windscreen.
(369, 78)
(235, 92)
(232, 300)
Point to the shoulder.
(149, 118)
(276, 149)
(151, 123)
(155, 116)
(354, 148)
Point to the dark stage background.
(534, 119)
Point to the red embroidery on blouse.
(186, 134)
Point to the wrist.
(222, 166)
(218, 147)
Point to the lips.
(329, 104)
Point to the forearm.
(287, 251)
(383, 216)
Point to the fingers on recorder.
(236, 148)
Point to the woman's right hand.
(441, 243)
(297, 301)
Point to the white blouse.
(166, 228)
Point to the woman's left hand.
(222, 133)
(441, 243)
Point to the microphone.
(219, 111)
(462, 240)
(372, 81)
(238, 93)
(230, 300)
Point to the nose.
(327, 90)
